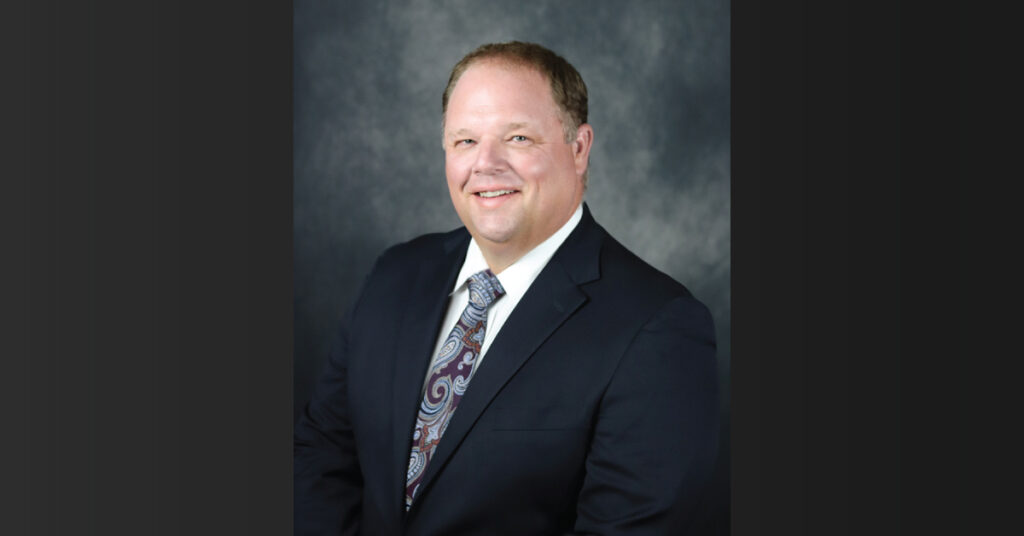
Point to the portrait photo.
(376, 165)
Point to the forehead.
(491, 86)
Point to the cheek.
(454, 173)
(532, 167)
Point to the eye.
(519, 138)
(460, 143)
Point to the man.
(525, 374)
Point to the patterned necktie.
(450, 374)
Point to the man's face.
(512, 177)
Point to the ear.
(581, 147)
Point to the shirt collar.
(518, 277)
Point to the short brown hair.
(567, 87)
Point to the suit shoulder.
(632, 282)
(666, 303)
(421, 248)
(625, 268)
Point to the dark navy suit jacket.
(595, 411)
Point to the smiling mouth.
(495, 193)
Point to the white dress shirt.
(516, 280)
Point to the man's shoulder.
(655, 299)
(618, 261)
(424, 247)
(597, 261)
(626, 278)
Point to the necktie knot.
(484, 288)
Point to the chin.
(495, 229)
(497, 236)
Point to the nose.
(490, 158)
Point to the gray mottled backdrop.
(369, 167)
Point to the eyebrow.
(465, 131)
(457, 133)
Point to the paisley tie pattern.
(450, 374)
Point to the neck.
(499, 256)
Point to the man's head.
(516, 146)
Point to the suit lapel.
(417, 334)
(552, 298)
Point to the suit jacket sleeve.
(656, 435)
(327, 478)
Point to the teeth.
(495, 193)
